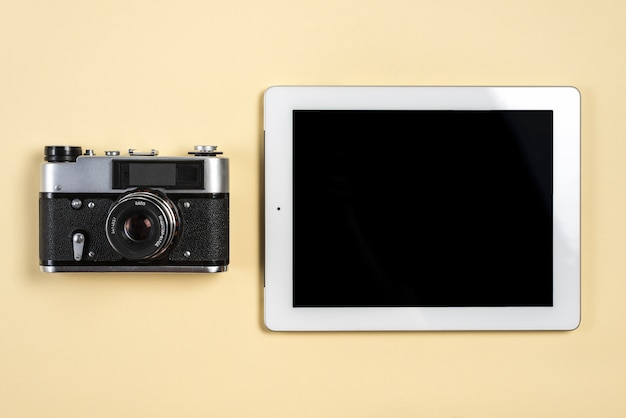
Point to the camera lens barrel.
(142, 225)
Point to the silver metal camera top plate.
(92, 174)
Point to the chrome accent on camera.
(96, 172)
(78, 243)
(135, 153)
(142, 268)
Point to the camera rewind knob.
(61, 153)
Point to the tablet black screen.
(422, 208)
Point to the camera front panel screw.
(187, 254)
(77, 203)
(91, 205)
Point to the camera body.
(137, 212)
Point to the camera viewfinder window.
(167, 174)
(152, 174)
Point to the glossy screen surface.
(422, 208)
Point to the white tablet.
(422, 208)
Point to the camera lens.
(138, 227)
(142, 225)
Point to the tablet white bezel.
(279, 103)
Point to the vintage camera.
(137, 212)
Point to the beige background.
(172, 74)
